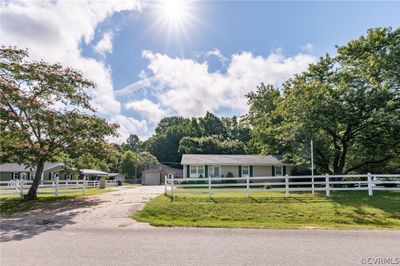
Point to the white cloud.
(104, 46)
(54, 30)
(148, 109)
(128, 126)
(308, 47)
(187, 87)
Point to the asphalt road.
(99, 232)
(180, 246)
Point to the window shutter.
(273, 170)
(205, 170)
(240, 171)
(251, 170)
(284, 170)
(187, 170)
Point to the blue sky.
(147, 69)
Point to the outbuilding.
(155, 175)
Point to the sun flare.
(174, 10)
(175, 15)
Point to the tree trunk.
(32, 194)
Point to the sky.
(152, 59)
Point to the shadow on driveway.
(47, 218)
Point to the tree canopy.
(45, 111)
(209, 134)
(349, 104)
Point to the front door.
(215, 171)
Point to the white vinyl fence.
(55, 187)
(287, 184)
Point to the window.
(15, 176)
(196, 170)
(245, 171)
(278, 170)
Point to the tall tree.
(45, 111)
(145, 160)
(212, 125)
(128, 164)
(210, 145)
(348, 104)
(134, 142)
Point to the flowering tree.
(44, 112)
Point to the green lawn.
(12, 204)
(271, 210)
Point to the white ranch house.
(220, 165)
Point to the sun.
(174, 10)
(174, 15)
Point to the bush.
(229, 174)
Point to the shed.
(155, 175)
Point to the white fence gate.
(287, 184)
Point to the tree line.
(347, 103)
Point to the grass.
(347, 210)
(12, 204)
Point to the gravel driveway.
(108, 210)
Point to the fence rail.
(368, 182)
(55, 187)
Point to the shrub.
(229, 174)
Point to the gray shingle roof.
(158, 167)
(223, 159)
(93, 172)
(15, 167)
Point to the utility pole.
(312, 165)
(137, 162)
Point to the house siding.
(257, 171)
(234, 169)
(262, 171)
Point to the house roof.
(225, 159)
(159, 167)
(93, 172)
(15, 167)
(113, 174)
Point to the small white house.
(221, 165)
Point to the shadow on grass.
(49, 215)
(387, 201)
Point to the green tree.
(210, 145)
(134, 142)
(131, 162)
(45, 112)
(236, 129)
(212, 125)
(348, 104)
(146, 160)
(168, 122)
(128, 164)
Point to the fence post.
(172, 187)
(286, 186)
(209, 186)
(56, 187)
(84, 185)
(312, 184)
(369, 184)
(21, 187)
(165, 184)
(327, 186)
(247, 187)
